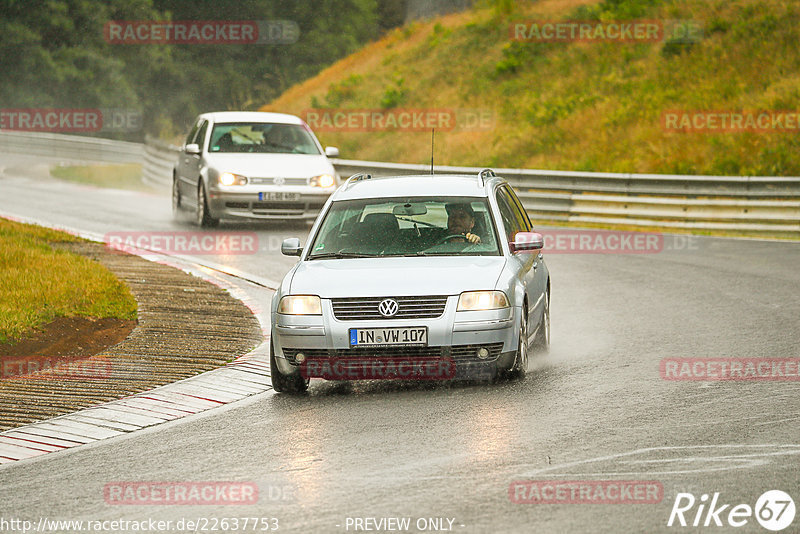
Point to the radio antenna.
(431, 151)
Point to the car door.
(528, 264)
(190, 164)
(183, 160)
(539, 288)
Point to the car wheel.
(203, 218)
(176, 197)
(520, 367)
(294, 383)
(541, 342)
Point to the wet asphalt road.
(595, 408)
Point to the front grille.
(236, 205)
(283, 206)
(366, 308)
(461, 354)
(287, 206)
(271, 181)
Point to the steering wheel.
(291, 149)
(447, 238)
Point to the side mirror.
(331, 151)
(291, 247)
(527, 241)
(192, 148)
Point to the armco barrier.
(159, 157)
(71, 147)
(752, 205)
(755, 205)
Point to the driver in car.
(461, 221)
(279, 136)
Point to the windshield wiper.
(340, 255)
(406, 254)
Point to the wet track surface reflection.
(594, 408)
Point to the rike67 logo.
(774, 510)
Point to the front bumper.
(251, 202)
(457, 337)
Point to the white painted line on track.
(674, 460)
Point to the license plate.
(279, 195)
(372, 337)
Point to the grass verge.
(116, 176)
(39, 283)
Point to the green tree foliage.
(53, 54)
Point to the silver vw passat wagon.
(412, 277)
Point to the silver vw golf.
(434, 277)
(254, 165)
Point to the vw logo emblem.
(388, 307)
(280, 180)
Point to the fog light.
(483, 353)
(300, 357)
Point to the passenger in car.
(381, 231)
(225, 143)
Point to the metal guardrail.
(159, 157)
(71, 147)
(752, 205)
(757, 205)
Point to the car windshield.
(408, 226)
(262, 137)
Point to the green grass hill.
(590, 106)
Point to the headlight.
(323, 180)
(300, 305)
(482, 300)
(228, 178)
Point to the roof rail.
(485, 173)
(359, 176)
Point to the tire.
(282, 383)
(203, 218)
(541, 343)
(520, 368)
(176, 197)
